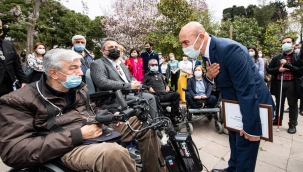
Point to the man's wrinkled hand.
(212, 70)
(91, 131)
(282, 69)
(135, 85)
(167, 89)
(248, 137)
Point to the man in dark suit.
(109, 73)
(238, 79)
(149, 54)
(10, 67)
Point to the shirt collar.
(114, 63)
(206, 54)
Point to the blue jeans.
(210, 102)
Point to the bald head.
(192, 28)
(193, 33)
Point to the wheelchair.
(206, 112)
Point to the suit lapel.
(107, 62)
(212, 49)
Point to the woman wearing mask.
(165, 69)
(199, 90)
(258, 61)
(135, 65)
(185, 72)
(35, 61)
(174, 68)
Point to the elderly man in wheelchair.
(156, 85)
(48, 119)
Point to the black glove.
(288, 66)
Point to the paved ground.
(284, 154)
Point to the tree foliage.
(245, 30)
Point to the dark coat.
(23, 116)
(240, 80)
(294, 66)
(191, 86)
(12, 64)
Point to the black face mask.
(113, 54)
(148, 49)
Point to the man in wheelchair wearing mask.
(46, 120)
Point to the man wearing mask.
(230, 66)
(10, 66)
(79, 43)
(149, 54)
(109, 73)
(40, 136)
(155, 84)
(285, 67)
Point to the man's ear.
(52, 73)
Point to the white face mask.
(198, 73)
(297, 51)
(260, 55)
(190, 50)
(134, 54)
(172, 58)
(251, 54)
(154, 68)
(185, 58)
(41, 51)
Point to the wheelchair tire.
(219, 127)
(189, 128)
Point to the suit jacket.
(11, 63)
(240, 80)
(106, 77)
(191, 86)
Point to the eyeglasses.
(118, 69)
(153, 64)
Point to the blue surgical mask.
(154, 68)
(251, 54)
(286, 47)
(71, 81)
(190, 50)
(79, 47)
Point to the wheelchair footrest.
(204, 110)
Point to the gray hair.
(78, 37)
(53, 59)
(151, 60)
(105, 40)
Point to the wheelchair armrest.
(101, 94)
(129, 91)
(184, 89)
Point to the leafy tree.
(170, 23)
(275, 32)
(230, 13)
(245, 30)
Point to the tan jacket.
(23, 115)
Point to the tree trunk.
(31, 27)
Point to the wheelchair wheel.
(219, 127)
(189, 128)
(48, 167)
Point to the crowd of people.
(57, 82)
